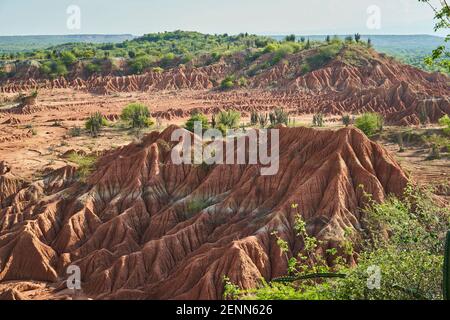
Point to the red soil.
(134, 234)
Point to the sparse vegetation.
(85, 164)
(263, 120)
(199, 118)
(436, 143)
(95, 123)
(279, 117)
(229, 119)
(346, 120)
(137, 116)
(227, 83)
(404, 239)
(324, 55)
(445, 122)
(318, 120)
(75, 132)
(370, 123)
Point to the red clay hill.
(354, 80)
(140, 227)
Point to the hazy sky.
(20, 17)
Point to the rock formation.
(366, 82)
(141, 227)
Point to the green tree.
(290, 38)
(68, 58)
(441, 55)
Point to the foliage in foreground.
(403, 241)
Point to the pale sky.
(32, 17)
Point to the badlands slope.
(133, 230)
(355, 81)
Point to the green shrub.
(140, 63)
(279, 117)
(95, 123)
(198, 117)
(346, 120)
(68, 58)
(227, 83)
(158, 70)
(445, 122)
(283, 51)
(323, 56)
(318, 120)
(271, 47)
(75, 132)
(137, 115)
(402, 239)
(436, 143)
(53, 69)
(86, 165)
(242, 82)
(229, 119)
(370, 123)
(168, 59)
(93, 68)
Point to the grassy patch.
(85, 164)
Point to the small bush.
(137, 115)
(75, 132)
(436, 143)
(93, 68)
(445, 122)
(370, 123)
(227, 83)
(68, 58)
(140, 63)
(324, 55)
(242, 82)
(346, 120)
(95, 123)
(86, 164)
(198, 117)
(318, 120)
(158, 70)
(279, 117)
(230, 119)
(263, 120)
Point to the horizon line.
(258, 34)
